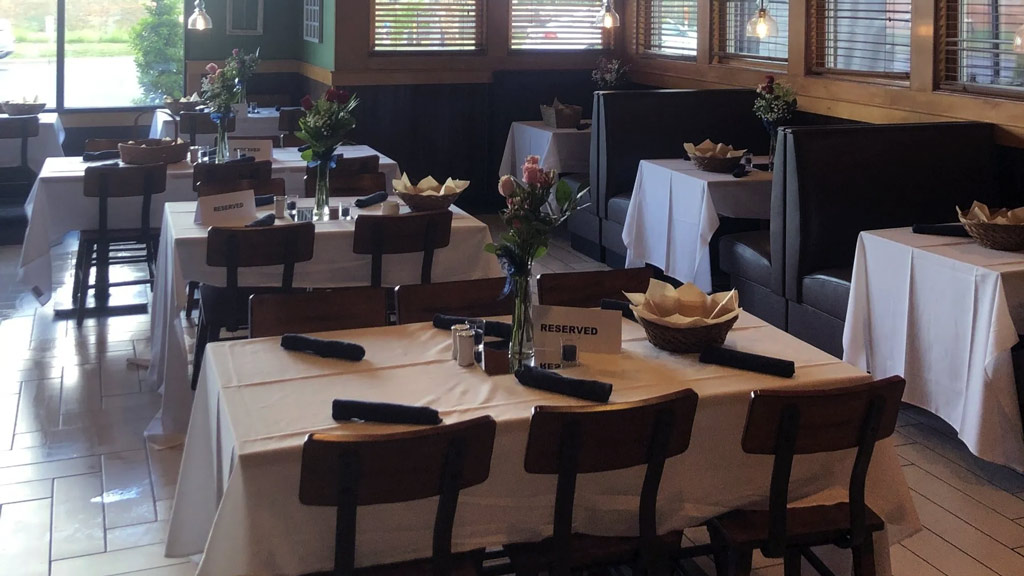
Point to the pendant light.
(609, 18)
(200, 20)
(1018, 39)
(762, 25)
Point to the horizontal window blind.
(427, 25)
(977, 44)
(732, 40)
(668, 27)
(866, 37)
(556, 25)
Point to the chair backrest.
(347, 185)
(283, 245)
(275, 186)
(103, 144)
(345, 167)
(317, 311)
(351, 470)
(193, 123)
(789, 422)
(403, 234)
(572, 440)
(20, 128)
(276, 140)
(123, 181)
(587, 289)
(471, 298)
(288, 119)
(208, 172)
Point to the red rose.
(331, 95)
(769, 88)
(307, 103)
(770, 79)
(344, 97)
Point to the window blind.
(731, 28)
(427, 25)
(668, 27)
(556, 25)
(977, 44)
(866, 37)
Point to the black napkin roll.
(262, 221)
(264, 200)
(384, 412)
(101, 155)
(610, 304)
(594, 390)
(323, 348)
(955, 229)
(748, 361)
(242, 160)
(375, 198)
(501, 330)
(740, 171)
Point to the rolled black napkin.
(277, 108)
(748, 361)
(242, 160)
(610, 304)
(955, 229)
(323, 348)
(264, 200)
(262, 221)
(740, 171)
(496, 329)
(101, 155)
(304, 147)
(594, 390)
(384, 412)
(375, 198)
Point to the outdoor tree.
(156, 41)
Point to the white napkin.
(980, 213)
(429, 187)
(683, 307)
(709, 149)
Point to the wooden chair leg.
(730, 561)
(792, 562)
(202, 337)
(190, 299)
(83, 288)
(79, 262)
(864, 557)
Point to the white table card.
(258, 149)
(591, 330)
(231, 209)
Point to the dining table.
(181, 257)
(237, 495)
(48, 144)
(264, 123)
(674, 211)
(563, 150)
(57, 206)
(945, 312)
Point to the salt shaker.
(455, 338)
(466, 347)
(279, 204)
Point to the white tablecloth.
(56, 206)
(46, 145)
(237, 494)
(560, 149)
(674, 212)
(182, 257)
(943, 312)
(262, 124)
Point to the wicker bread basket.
(153, 151)
(564, 116)
(715, 164)
(1008, 237)
(23, 108)
(176, 107)
(687, 340)
(427, 202)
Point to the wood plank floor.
(82, 494)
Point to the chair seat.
(747, 255)
(827, 291)
(805, 525)
(464, 564)
(587, 550)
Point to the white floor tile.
(25, 537)
(77, 527)
(906, 563)
(55, 469)
(116, 562)
(185, 569)
(21, 492)
(137, 535)
(947, 558)
(128, 496)
(968, 539)
(956, 451)
(39, 408)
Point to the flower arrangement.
(323, 128)
(776, 101)
(219, 89)
(530, 216)
(610, 72)
(241, 66)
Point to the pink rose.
(533, 159)
(532, 174)
(547, 179)
(506, 186)
(234, 52)
(211, 68)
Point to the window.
(977, 44)
(668, 27)
(731, 38)
(85, 54)
(312, 11)
(556, 25)
(427, 25)
(866, 37)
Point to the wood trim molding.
(194, 70)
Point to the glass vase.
(321, 209)
(520, 350)
(223, 148)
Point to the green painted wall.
(321, 54)
(281, 38)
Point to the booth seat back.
(841, 180)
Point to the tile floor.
(82, 494)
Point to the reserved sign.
(231, 209)
(258, 149)
(590, 330)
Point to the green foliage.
(156, 41)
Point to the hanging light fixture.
(609, 18)
(762, 25)
(1018, 39)
(200, 20)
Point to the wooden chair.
(103, 246)
(404, 234)
(785, 423)
(211, 172)
(194, 123)
(104, 144)
(16, 181)
(351, 470)
(227, 307)
(472, 298)
(288, 124)
(573, 440)
(275, 186)
(587, 289)
(356, 176)
(318, 310)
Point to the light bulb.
(762, 28)
(762, 25)
(609, 18)
(1018, 39)
(200, 20)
